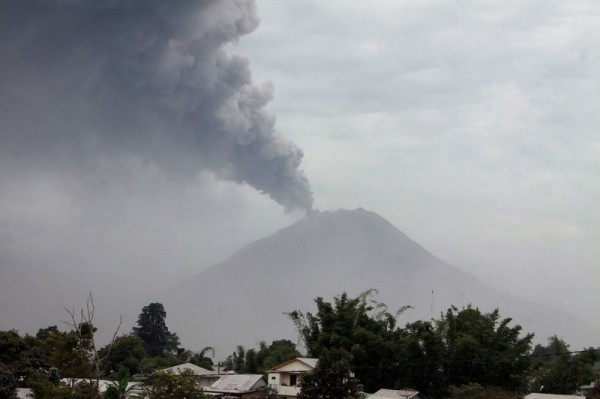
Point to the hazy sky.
(472, 126)
(138, 148)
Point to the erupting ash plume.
(84, 80)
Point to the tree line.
(465, 353)
(40, 361)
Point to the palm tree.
(118, 389)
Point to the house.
(285, 378)
(190, 367)
(396, 394)
(204, 376)
(246, 386)
(223, 385)
(552, 396)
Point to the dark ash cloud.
(85, 81)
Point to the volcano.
(243, 299)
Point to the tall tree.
(481, 348)
(463, 346)
(153, 330)
(124, 356)
(421, 359)
(278, 352)
(331, 378)
(250, 362)
(254, 361)
(557, 371)
(201, 359)
(240, 359)
(361, 326)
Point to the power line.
(477, 361)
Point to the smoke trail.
(85, 78)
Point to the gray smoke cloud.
(84, 81)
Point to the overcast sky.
(472, 126)
(143, 142)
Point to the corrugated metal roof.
(312, 362)
(551, 396)
(394, 393)
(237, 383)
(197, 370)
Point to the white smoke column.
(152, 78)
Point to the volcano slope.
(243, 299)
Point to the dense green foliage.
(12, 347)
(50, 388)
(464, 353)
(464, 346)
(362, 327)
(331, 378)
(152, 329)
(252, 361)
(421, 359)
(467, 391)
(170, 386)
(201, 359)
(557, 371)
(118, 389)
(46, 356)
(8, 384)
(123, 356)
(40, 361)
(481, 348)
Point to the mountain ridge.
(242, 299)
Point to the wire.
(476, 361)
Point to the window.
(292, 380)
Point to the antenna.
(432, 292)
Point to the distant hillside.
(242, 299)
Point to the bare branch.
(88, 344)
(90, 307)
(112, 341)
